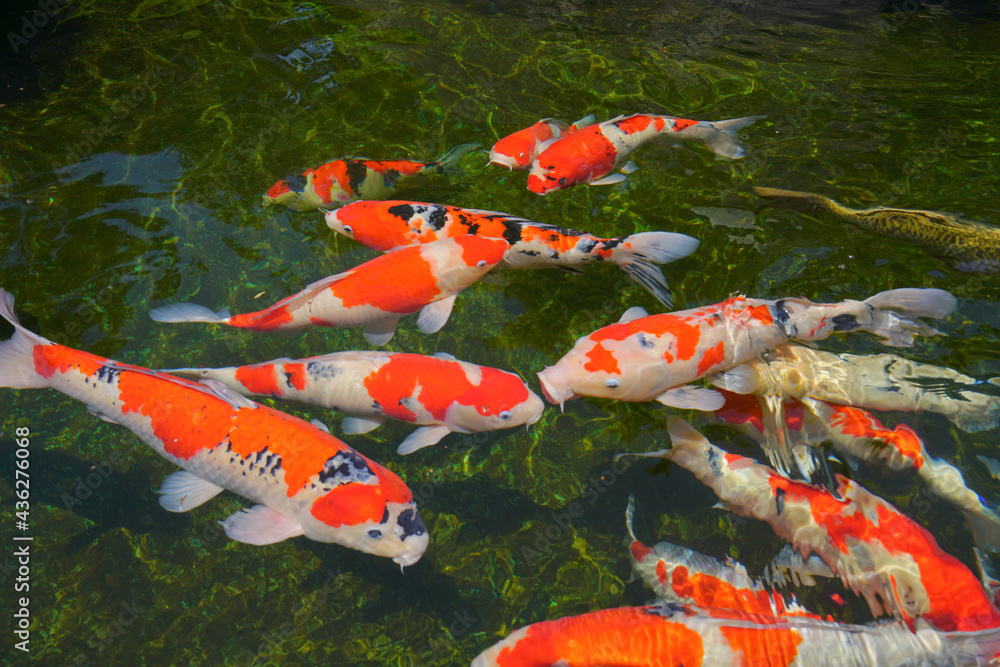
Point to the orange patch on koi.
(602, 359)
(259, 379)
(51, 358)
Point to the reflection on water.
(132, 176)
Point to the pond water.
(138, 138)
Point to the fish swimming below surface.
(875, 549)
(387, 225)
(440, 394)
(654, 357)
(672, 635)
(349, 179)
(304, 480)
(809, 422)
(590, 154)
(518, 150)
(374, 295)
(971, 246)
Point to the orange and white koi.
(877, 551)
(878, 382)
(591, 153)
(518, 150)
(374, 295)
(670, 635)
(387, 225)
(682, 576)
(440, 394)
(653, 357)
(305, 481)
(858, 434)
(349, 179)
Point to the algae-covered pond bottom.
(139, 137)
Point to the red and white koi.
(591, 153)
(305, 481)
(876, 550)
(653, 357)
(858, 434)
(518, 150)
(388, 225)
(440, 394)
(682, 576)
(349, 179)
(374, 295)
(669, 635)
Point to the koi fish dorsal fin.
(222, 391)
(260, 525)
(183, 491)
(633, 313)
(589, 119)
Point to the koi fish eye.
(375, 534)
(348, 230)
(612, 384)
(505, 415)
(481, 263)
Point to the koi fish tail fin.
(17, 364)
(188, 312)
(449, 161)
(896, 314)
(638, 255)
(720, 137)
(804, 202)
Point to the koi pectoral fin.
(609, 180)
(183, 491)
(380, 333)
(425, 436)
(434, 315)
(687, 397)
(260, 525)
(356, 425)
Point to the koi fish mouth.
(553, 394)
(503, 161)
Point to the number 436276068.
(21, 473)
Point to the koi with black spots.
(304, 480)
(388, 225)
(349, 179)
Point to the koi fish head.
(623, 370)
(499, 400)
(518, 150)
(370, 510)
(284, 192)
(371, 223)
(542, 181)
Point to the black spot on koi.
(411, 523)
(403, 211)
(779, 500)
(845, 322)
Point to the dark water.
(138, 138)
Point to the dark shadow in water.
(32, 50)
(95, 490)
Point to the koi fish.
(777, 424)
(671, 635)
(590, 154)
(971, 246)
(349, 179)
(388, 225)
(653, 357)
(305, 481)
(518, 150)
(877, 551)
(439, 393)
(682, 576)
(374, 295)
(878, 382)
